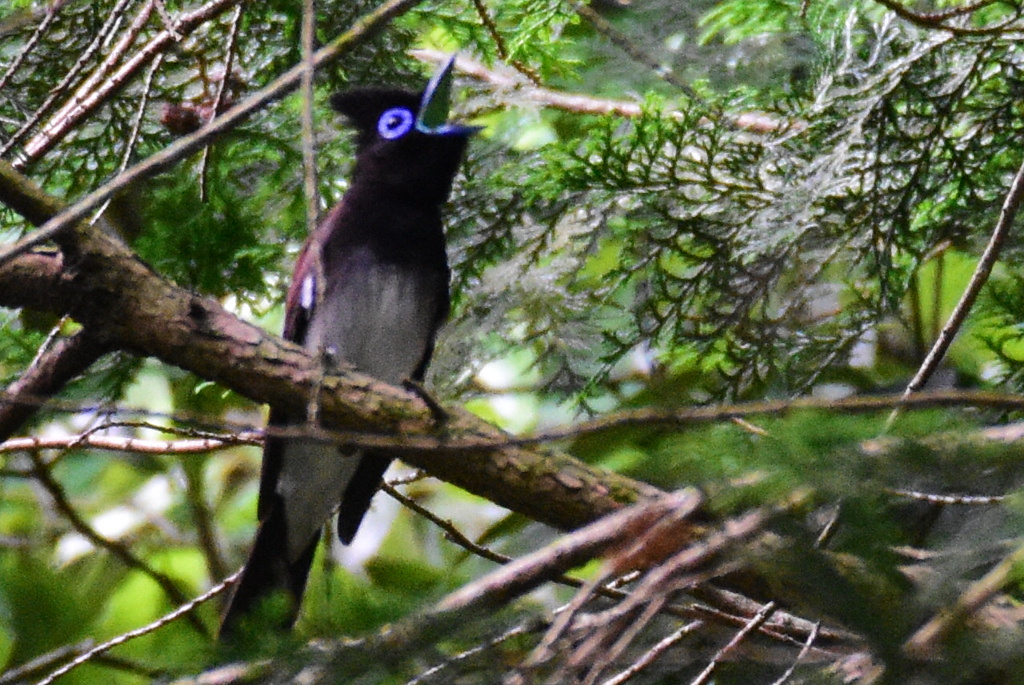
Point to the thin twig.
(664, 579)
(934, 498)
(60, 500)
(925, 641)
(499, 43)
(133, 136)
(679, 418)
(672, 419)
(545, 649)
(811, 637)
(783, 626)
(759, 618)
(30, 44)
(1007, 215)
(28, 670)
(144, 630)
(638, 54)
(568, 552)
(600, 660)
(689, 563)
(937, 21)
(454, 534)
(134, 445)
(140, 113)
(161, 11)
(525, 629)
(218, 98)
(413, 477)
(652, 655)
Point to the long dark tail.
(269, 576)
(355, 500)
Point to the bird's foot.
(327, 363)
(437, 412)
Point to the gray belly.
(381, 321)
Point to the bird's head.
(404, 140)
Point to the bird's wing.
(444, 306)
(299, 305)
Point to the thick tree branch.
(52, 369)
(125, 305)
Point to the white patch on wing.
(307, 296)
(380, 320)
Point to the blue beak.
(432, 117)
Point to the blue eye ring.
(395, 123)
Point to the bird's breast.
(378, 316)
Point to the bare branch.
(683, 567)
(924, 643)
(781, 626)
(332, 662)
(753, 625)
(135, 445)
(108, 25)
(499, 587)
(507, 82)
(86, 100)
(1007, 215)
(614, 530)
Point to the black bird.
(384, 295)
